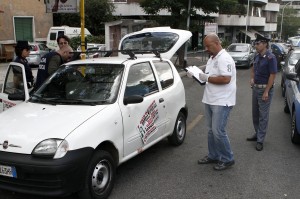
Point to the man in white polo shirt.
(219, 97)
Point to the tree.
(179, 13)
(290, 23)
(97, 12)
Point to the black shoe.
(259, 146)
(223, 165)
(207, 160)
(253, 138)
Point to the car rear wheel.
(295, 137)
(179, 132)
(286, 107)
(100, 177)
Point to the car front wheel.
(100, 176)
(179, 131)
(295, 137)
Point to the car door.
(144, 122)
(14, 89)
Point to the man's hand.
(203, 77)
(189, 74)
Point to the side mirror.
(292, 76)
(16, 96)
(133, 99)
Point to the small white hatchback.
(90, 116)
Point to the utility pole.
(82, 29)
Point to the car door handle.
(161, 100)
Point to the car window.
(84, 83)
(295, 56)
(161, 41)
(165, 73)
(237, 48)
(141, 80)
(14, 82)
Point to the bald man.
(50, 63)
(219, 98)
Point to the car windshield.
(161, 41)
(88, 84)
(237, 48)
(294, 58)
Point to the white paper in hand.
(195, 71)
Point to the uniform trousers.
(260, 112)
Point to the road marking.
(194, 122)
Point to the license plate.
(8, 171)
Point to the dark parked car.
(280, 50)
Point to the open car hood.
(162, 39)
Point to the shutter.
(23, 28)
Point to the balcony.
(271, 7)
(240, 20)
(270, 27)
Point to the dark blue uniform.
(263, 67)
(28, 72)
(43, 73)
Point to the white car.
(37, 51)
(91, 116)
(241, 53)
(93, 50)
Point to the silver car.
(242, 54)
(37, 51)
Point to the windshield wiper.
(74, 101)
(41, 99)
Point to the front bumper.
(242, 63)
(43, 176)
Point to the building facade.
(23, 20)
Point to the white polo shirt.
(215, 94)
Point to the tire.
(179, 131)
(295, 137)
(286, 106)
(100, 177)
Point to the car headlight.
(56, 148)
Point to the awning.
(250, 34)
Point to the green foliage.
(232, 7)
(76, 41)
(290, 23)
(225, 43)
(179, 9)
(97, 12)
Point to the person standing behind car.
(263, 74)
(219, 97)
(22, 50)
(50, 63)
(63, 40)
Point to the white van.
(55, 31)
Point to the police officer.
(262, 79)
(50, 63)
(22, 50)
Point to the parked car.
(91, 116)
(280, 50)
(292, 101)
(37, 51)
(92, 50)
(288, 65)
(242, 54)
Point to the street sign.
(62, 6)
(210, 28)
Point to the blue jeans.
(260, 112)
(218, 141)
